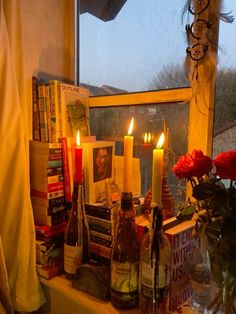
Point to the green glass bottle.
(155, 261)
(125, 258)
(76, 239)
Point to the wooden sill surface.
(89, 304)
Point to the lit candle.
(128, 159)
(78, 160)
(157, 170)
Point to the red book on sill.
(49, 231)
(49, 272)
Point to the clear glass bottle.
(155, 261)
(76, 240)
(125, 258)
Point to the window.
(133, 52)
(132, 84)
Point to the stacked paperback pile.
(49, 250)
(49, 207)
(102, 222)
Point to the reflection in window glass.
(225, 113)
(112, 124)
(143, 48)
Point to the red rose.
(225, 164)
(195, 164)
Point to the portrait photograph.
(102, 163)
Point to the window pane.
(133, 52)
(112, 124)
(225, 115)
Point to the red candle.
(78, 160)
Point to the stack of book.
(59, 110)
(47, 183)
(102, 222)
(49, 250)
(50, 209)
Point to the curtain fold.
(16, 218)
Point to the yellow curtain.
(36, 39)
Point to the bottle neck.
(77, 200)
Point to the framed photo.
(98, 164)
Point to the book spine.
(101, 225)
(45, 195)
(55, 179)
(44, 246)
(36, 123)
(100, 241)
(66, 171)
(102, 235)
(99, 212)
(48, 203)
(48, 272)
(55, 186)
(54, 111)
(100, 250)
(51, 220)
(52, 171)
(42, 112)
(40, 210)
(40, 146)
(99, 259)
(44, 157)
(49, 231)
(47, 102)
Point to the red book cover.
(49, 231)
(182, 243)
(66, 170)
(49, 272)
(45, 195)
(57, 186)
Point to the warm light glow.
(131, 126)
(145, 137)
(78, 139)
(161, 141)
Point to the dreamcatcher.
(200, 36)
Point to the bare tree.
(173, 76)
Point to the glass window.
(112, 124)
(142, 49)
(225, 111)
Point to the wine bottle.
(125, 258)
(76, 240)
(155, 261)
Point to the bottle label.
(147, 275)
(124, 276)
(72, 258)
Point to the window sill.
(62, 298)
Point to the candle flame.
(145, 137)
(131, 126)
(161, 141)
(78, 139)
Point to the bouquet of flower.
(214, 207)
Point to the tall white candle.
(128, 159)
(157, 171)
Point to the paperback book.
(182, 243)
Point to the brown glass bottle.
(125, 258)
(155, 261)
(76, 240)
